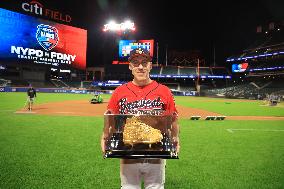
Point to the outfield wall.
(54, 90)
(80, 91)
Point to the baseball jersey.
(31, 92)
(152, 99)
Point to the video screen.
(29, 39)
(239, 67)
(126, 46)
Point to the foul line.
(265, 130)
(24, 112)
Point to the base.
(140, 154)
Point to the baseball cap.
(139, 52)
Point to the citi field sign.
(35, 7)
(28, 39)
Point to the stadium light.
(124, 26)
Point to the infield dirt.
(85, 108)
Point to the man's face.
(140, 68)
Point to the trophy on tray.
(139, 136)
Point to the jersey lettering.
(142, 107)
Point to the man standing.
(142, 96)
(31, 92)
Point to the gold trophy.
(139, 136)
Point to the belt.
(133, 161)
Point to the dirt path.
(84, 108)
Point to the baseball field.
(58, 144)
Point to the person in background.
(31, 92)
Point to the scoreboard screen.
(239, 67)
(126, 46)
(29, 39)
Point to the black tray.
(140, 154)
(117, 149)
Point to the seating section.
(205, 71)
(19, 83)
(219, 71)
(187, 71)
(170, 70)
(253, 90)
(187, 88)
(4, 82)
(155, 70)
(172, 86)
(59, 83)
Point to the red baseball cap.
(138, 53)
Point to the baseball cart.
(97, 99)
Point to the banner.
(29, 39)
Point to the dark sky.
(181, 25)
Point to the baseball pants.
(152, 171)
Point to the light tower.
(126, 26)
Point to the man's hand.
(105, 134)
(103, 146)
(176, 142)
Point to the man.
(142, 96)
(97, 99)
(31, 92)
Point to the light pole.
(157, 54)
(197, 81)
(166, 55)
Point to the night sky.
(180, 25)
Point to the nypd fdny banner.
(26, 38)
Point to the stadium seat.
(195, 117)
(210, 118)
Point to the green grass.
(53, 152)
(212, 157)
(231, 107)
(40, 151)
